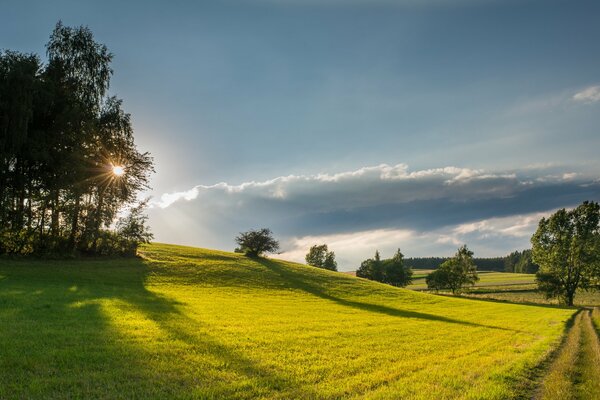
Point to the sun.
(118, 170)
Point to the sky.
(363, 124)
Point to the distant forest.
(517, 261)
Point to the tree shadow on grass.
(303, 282)
(62, 344)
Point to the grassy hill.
(192, 323)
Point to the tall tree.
(566, 246)
(60, 138)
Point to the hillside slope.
(191, 323)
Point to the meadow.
(182, 322)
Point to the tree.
(320, 257)
(566, 246)
(60, 137)
(395, 272)
(371, 269)
(454, 273)
(256, 242)
(133, 229)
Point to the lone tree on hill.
(254, 243)
(320, 257)
(454, 273)
(566, 246)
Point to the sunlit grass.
(192, 323)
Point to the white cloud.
(352, 247)
(515, 226)
(424, 212)
(588, 95)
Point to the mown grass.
(192, 323)
(486, 279)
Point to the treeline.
(68, 160)
(517, 261)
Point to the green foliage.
(392, 271)
(60, 136)
(455, 273)
(133, 230)
(520, 262)
(320, 257)
(371, 269)
(255, 243)
(567, 248)
(181, 322)
(396, 272)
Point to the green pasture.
(187, 323)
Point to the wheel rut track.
(574, 373)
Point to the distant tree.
(566, 246)
(392, 271)
(395, 272)
(371, 269)
(525, 265)
(454, 273)
(254, 243)
(320, 257)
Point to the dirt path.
(575, 372)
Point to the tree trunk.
(98, 221)
(74, 223)
(55, 215)
(570, 297)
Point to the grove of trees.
(68, 161)
(566, 246)
(455, 273)
(392, 271)
(319, 256)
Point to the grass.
(510, 287)
(486, 279)
(192, 323)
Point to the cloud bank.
(425, 212)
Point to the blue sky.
(277, 98)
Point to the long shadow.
(71, 349)
(521, 303)
(300, 282)
(168, 316)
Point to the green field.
(486, 279)
(191, 323)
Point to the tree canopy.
(61, 140)
(566, 246)
(392, 271)
(455, 273)
(255, 243)
(319, 256)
